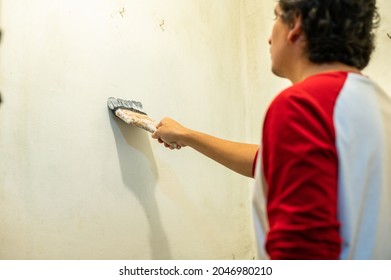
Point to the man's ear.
(295, 32)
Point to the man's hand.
(170, 131)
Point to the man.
(323, 170)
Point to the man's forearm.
(238, 157)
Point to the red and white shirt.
(323, 172)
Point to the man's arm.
(236, 156)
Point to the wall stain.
(162, 23)
(122, 12)
(389, 36)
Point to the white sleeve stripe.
(361, 118)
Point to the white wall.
(379, 67)
(75, 182)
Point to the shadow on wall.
(139, 174)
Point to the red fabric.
(300, 166)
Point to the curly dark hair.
(336, 30)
